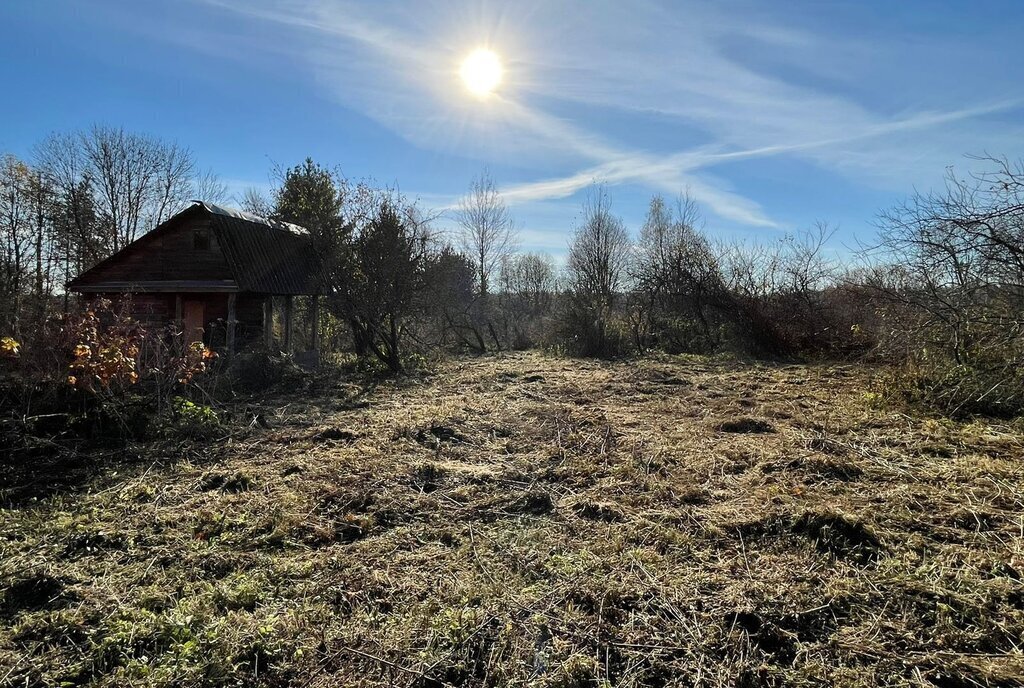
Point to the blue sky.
(772, 114)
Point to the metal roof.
(242, 215)
(265, 256)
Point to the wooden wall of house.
(173, 254)
(157, 311)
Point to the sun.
(481, 72)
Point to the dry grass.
(532, 520)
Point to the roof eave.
(156, 286)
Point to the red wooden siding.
(167, 255)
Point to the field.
(531, 520)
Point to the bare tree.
(953, 286)
(254, 201)
(678, 274)
(532, 278)
(139, 180)
(596, 274)
(781, 292)
(599, 253)
(488, 231)
(62, 161)
(16, 228)
(528, 285)
(173, 183)
(207, 186)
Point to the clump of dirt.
(532, 502)
(826, 445)
(233, 482)
(976, 520)
(90, 542)
(427, 477)
(336, 435)
(840, 535)
(831, 532)
(598, 511)
(828, 468)
(212, 481)
(692, 496)
(438, 434)
(763, 635)
(750, 426)
(35, 592)
(342, 500)
(662, 377)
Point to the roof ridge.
(256, 219)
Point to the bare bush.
(678, 278)
(596, 274)
(529, 283)
(487, 237)
(488, 231)
(781, 293)
(950, 278)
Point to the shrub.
(938, 384)
(193, 420)
(948, 276)
(596, 334)
(105, 355)
(9, 348)
(259, 371)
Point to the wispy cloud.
(397, 64)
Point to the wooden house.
(217, 273)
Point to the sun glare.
(481, 72)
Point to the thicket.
(949, 279)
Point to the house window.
(201, 239)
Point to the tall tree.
(139, 180)
(599, 253)
(253, 201)
(16, 229)
(488, 232)
(528, 285)
(207, 186)
(310, 195)
(596, 274)
(677, 272)
(61, 159)
(136, 181)
(384, 293)
(41, 202)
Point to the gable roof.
(265, 256)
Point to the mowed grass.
(530, 520)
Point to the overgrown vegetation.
(935, 297)
(952, 290)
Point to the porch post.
(232, 298)
(268, 322)
(314, 324)
(177, 311)
(288, 323)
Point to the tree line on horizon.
(938, 295)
